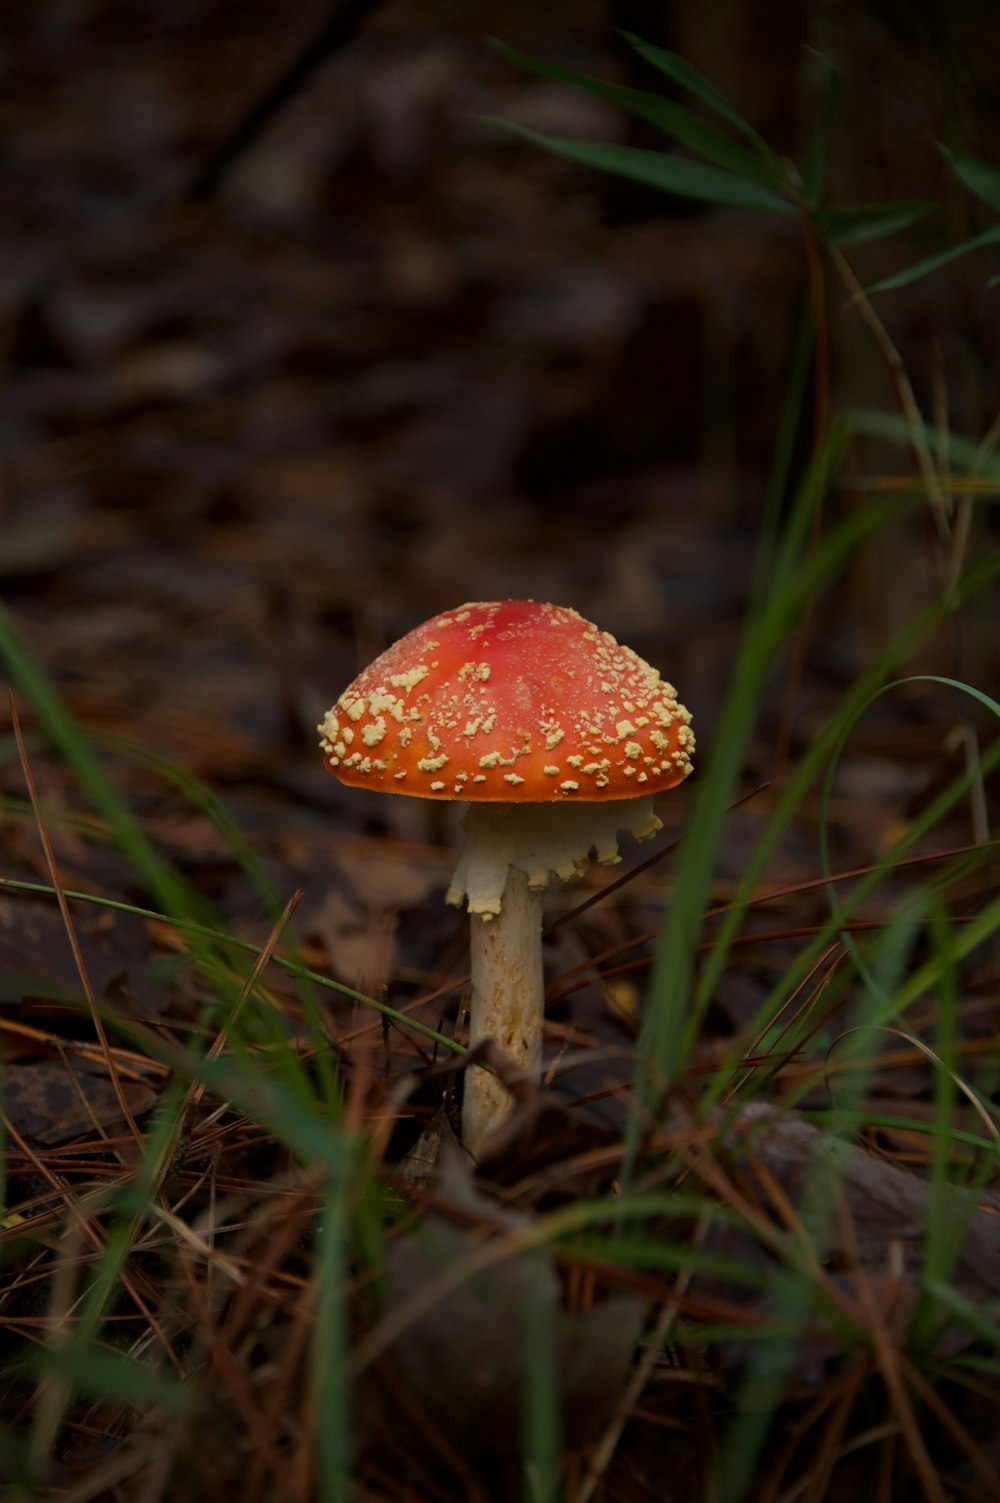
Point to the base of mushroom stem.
(492, 1093)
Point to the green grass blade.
(673, 1017)
(330, 1341)
(658, 1252)
(673, 119)
(965, 455)
(860, 223)
(170, 891)
(833, 897)
(688, 77)
(981, 178)
(675, 175)
(948, 1218)
(271, 1100)
(983, 1320)
(232, 941)
(959, 1137)
(669, 1020)
(99, 1373)
(729, 1071)
(15, 1469)
(934, 263)
(208, 803)
(796, 1290)
(541, 1429)
(69, 1350)
(962, 942)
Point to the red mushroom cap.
(509, 701)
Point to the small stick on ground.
(341, 26)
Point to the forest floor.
(393, 362)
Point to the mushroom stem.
(507, 1001)
(510, 850)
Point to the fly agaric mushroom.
(558, 737)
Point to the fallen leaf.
(475, 1340)
(56, 1101)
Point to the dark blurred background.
(266, 408)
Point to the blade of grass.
(981, 178)
(550, 1227)
(170, 891)
(728, 1076)
(982, 1319)
(947, 1226)
(332, 1421)
(176, 897)
(673, 119)
(808, 769)
(208, 803)
(541, 1443)
(105, 1375)
(962, 454)
(671, 1022)
(190, 926)
(860, 223)
(670, 174)
(68, 925)
(930, 264)
(796, 1291)
(688, 77)
(832, 893)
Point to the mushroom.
(558, 738)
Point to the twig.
(340, 27)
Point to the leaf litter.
(394, 364)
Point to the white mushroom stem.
(510, 852)
(507, 1000)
